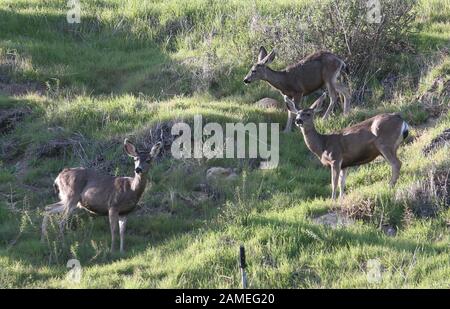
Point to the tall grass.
(132, 65)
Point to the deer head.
(142, 159)
(258, 70)
(305, 117)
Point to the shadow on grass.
(344, 237)
(90, 55)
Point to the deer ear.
(156, 149)
(129, 148)
(290, 105)
(262, 54)
(317, 105)
(270, 58)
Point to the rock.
(334, 220)
(200, 197)
(389, 230)
(268, 103)
(215, 173)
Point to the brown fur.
(355, 145)
(102, 194)
(303, 78)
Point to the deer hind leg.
(342, 177)
(49, 210)
(113, 222)
(122, 228)
(333, 98)
(391, 156)
(341, 89)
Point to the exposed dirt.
(435, 98)
(361, 210)
(427, 198)
(334, 219)
(19, 89)
(438, 142)
(9, 118)
(56, 147)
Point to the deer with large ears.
(102, 194)
(352, 146)
(303, 78)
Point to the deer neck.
(138, 184)
(314, 140)
(277, 79)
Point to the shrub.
(343, 27)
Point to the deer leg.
(391, 156)
(333, 99)
(344, 92)
(335, 171)
(113, 222)
(342, 176)
(122, 228)
(49, 210)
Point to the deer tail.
(405, 130)
(345, 68)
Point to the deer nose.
(298, 122)
(246, 81)
(138, 170)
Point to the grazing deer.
(102, 194)
(301, 79)
(353, 146)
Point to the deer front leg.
(113, 222)
(122, 228)
(391, 156)
(335, 171)
(346, 94)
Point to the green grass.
(131, 65)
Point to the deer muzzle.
(299, 122)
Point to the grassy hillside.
(133, 67)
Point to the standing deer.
(301, 79)
(353, 146)
(102, 194)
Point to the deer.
(101, 194)
(303, 78)
(353, 146)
